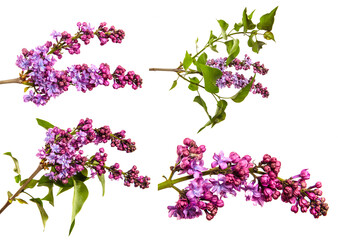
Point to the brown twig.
(14, 80)
(167, 69)
(9, 201)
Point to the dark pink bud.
(304, 174)
(187, 141)
(294, 208)
(209, 216)
(266, 158)
(318, 184)
(220, 203)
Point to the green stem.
(184, 78)
(213, 171)
(170, 183)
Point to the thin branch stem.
(9, 201)
(167, 69)
(14, 80)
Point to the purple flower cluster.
(63, 154)
(121, 79)
(132, 176)
(190, 158)
(296, 192)
(46, 82)
(233, 172)
(236, 79)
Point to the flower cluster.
(63, 154)
(233, 172)
(236, 79)
(46, 82)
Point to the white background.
(297, 123)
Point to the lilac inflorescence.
(236, 79)
(64, 155)
(38, 65)
(233, 172)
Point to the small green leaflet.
(44, 124)
(103, 183)
(193, 86)
(224, 26)
(174, 85)
(243, 93)
(16, 162)
(267, 20)
(42, 211)
(201, 102)
(187, 60)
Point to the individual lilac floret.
(253, 193)
(220, 160)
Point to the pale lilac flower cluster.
(236, 79)
(46, 82)
(63, 154)
(233, 172)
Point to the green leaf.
(42, 211)
(9, 194)
(16, 162)
(31, 184)
(17, 178)
(232, 49)
(210, 76)
(241, 94)
(69, 184)
(174, 85)
(44, 124)
(214, 48)
(79, 198)
(64, 187)
(220, 112)
(238, 26)
(82, 176)
(207, 124)
(267, 20)
(202, 59)
(256, 46)
(211, 38)
(224, 26)
(250, 41)
(219, 115)
(269, 36)
(46, 182)
(187, 60)
(21, 201)
(103, 183)
(193, 86)
(201, 102)
(247, 23)
(26, 89)
(251, 14)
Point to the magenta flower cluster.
(236, 79)
(46, 82)
(63, 153)
(206, 194)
